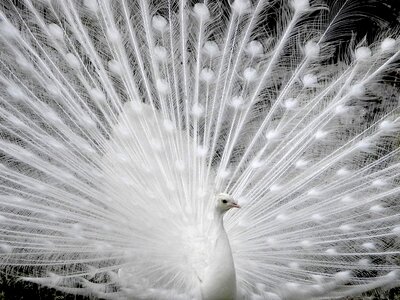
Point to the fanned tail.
(121, 120)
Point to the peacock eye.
(224, 201)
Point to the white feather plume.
(121, 121)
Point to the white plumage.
(219, 279)
(126, 124)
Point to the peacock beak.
(235, 205)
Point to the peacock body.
(130, 128)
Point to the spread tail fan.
(129, 128)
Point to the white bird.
(220, 277)
(130, 128)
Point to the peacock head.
(225, 202)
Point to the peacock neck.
(219, 221)
(220, 280)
